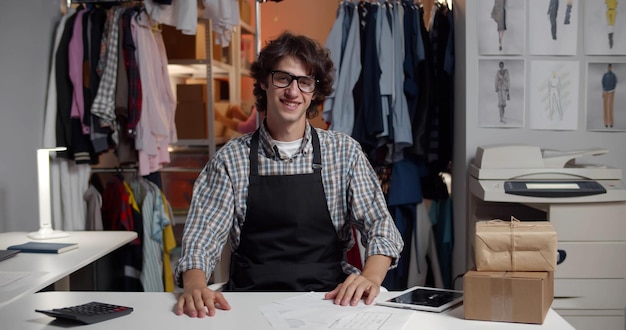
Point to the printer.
(585, 203)
(525, 173)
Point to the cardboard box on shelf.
(191, 120)
(523, 297)
(191, 93)
(179, 46)
(221, 90)
(515, 246)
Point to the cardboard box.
(515, 246)
(191, 120)
(523, 297)
(195, 93)
(179, 46)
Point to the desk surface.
(154, 311)
(44, 269)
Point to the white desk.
(154, 311)
(46, 268)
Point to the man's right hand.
(197, 300)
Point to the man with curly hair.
(287, 196)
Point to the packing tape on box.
(501, 299)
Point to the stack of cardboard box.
(514, 276)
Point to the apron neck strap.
(317, 154)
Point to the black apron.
(288, 241)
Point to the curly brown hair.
(315, 58)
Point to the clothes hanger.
(153, 25)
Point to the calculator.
(88, 313)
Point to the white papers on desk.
(310, 311)
(10, 281)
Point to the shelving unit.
(191, 60)
(206, 78)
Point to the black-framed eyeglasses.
(282, 79)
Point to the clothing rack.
(68, 3)
(134, 169)
(113, 169)
(100, 1)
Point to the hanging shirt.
(183, 14)
(156, 129)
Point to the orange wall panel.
(313, 18)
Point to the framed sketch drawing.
(606, 97)
(501, 92)
(554, 95)
(605, 27)
(501, 27)
(554, 26)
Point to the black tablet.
(425, 299)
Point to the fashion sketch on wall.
(605, 27)
(501, 93)
(554, 95)
(501, 27)
(553, 27)
(606, 96)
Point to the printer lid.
(520, 161)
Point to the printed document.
(310, 311)
(10, 281)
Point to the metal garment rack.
(99, 1)
(113, 170)
(135, 169)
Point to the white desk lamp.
(45, 210)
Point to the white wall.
(26, 33)
(459, 156)
(469, 136)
